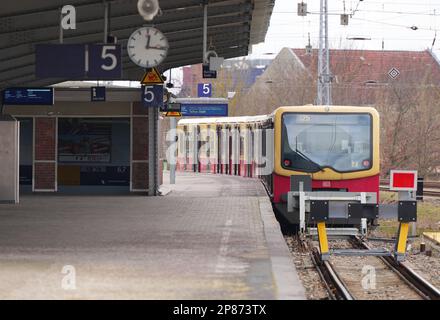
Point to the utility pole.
(324, 96)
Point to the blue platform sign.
(60, 61)
(97, 94)
(207, 73)
(204, 110)
(28, 96)
(78, 61)
(204, 90)
(104, 61)
(152, 96)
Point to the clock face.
(147, 47)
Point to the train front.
(337, 146)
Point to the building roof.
(233, 26)
(370, 67)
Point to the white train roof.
(243, 119)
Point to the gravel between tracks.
(315, 289)
(388, 285)
(428, 267)
(369, 278)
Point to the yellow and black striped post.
(319, 214)
(323, 241)
(402, 237)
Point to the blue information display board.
(204, 110)
(78, 61)
(28, 96)
(60, 61)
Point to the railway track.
(429, 193)
(431, 188)
(369, 277)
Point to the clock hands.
(159, 48)
(148, 42)
(148, 46)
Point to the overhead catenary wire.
(337, 12)
(404, 25)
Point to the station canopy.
(233, 27)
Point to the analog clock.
(147, 47)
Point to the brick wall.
(45, 153)
(140, 147)
(140, 138)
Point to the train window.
(313, 141)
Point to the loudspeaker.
(148, 9)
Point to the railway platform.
(209, 237)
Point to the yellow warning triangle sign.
(152, 77)
(173, 114)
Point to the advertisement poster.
(83, 140)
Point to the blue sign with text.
(104, 61)
(78, 61)
(152, 96)
(204, 110)
(28, 96)
(97, 94)
(207, 73)
(204, 90)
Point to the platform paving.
(210, 237)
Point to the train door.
(242, 137)
(250, 151)
(233, 150)
(225, 149)
(198, 146)
(230, 149)
(213, 141)
(208, 152)
(237, 151)
(192, 148)
(219, 149)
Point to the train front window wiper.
(302, 155)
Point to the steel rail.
(429, 193)
(338, 290)
(331, 278)
(425, 289)
(426, 184)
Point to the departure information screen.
(204, 110)
(28, 96)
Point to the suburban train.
(337, 146)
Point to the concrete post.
(9, 158)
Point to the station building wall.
(42, 170)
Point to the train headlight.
(366, 163)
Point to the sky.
(387, 20)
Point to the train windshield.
(311, 142)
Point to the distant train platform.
(209, 237)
